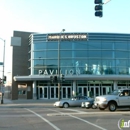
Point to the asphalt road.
(50, 118)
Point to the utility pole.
(59, 80)
(2, 84)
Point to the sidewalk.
(27, 102)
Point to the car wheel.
(65, 105)
(101, 108)
(112, 106)
(94, 107)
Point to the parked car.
(116, 99)
(88, 104)
(73, 102)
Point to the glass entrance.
(94, 90)
(83, 90)
(53, 92)
(106, 90)
(66, 92)
(43, 92)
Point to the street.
(50, 118)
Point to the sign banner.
(67, 37)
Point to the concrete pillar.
(115, 85)
(74, 88)
(34, 90)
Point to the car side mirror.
(121, 94)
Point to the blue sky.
(54, 15)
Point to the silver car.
(73, 102)
(88, 104)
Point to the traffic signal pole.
(3, 72)
(59, 80)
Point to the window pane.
(107, 45)
(107, 54)
(51, 62)
(121, 45)
(94, 54)
(108, 63)
(121, 54)
(39, 45)
(65, 45)
(39, 54)
(80, 54)
(120, 62)
(94, 62)
(94, 45)
(80, 45)
(51, 54)
(52, 45)
(121, 70)
(65, 54)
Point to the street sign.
(1, 63)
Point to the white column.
(34, 90)
(115, 85)
(74, 88)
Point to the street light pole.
(3, 71)
(59, 85)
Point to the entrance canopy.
(73, 77)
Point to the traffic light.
(98, 8)
(98, 1)
(63, 77)
(55, 79)
(51, 78)
(0, 80)
(5, 78)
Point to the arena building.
(92, 64)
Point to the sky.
(50, 16)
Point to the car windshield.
(115, 92)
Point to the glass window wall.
(99, 57)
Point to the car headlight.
(57, 103)
(87, 103)
(104, 100)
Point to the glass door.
(95, 91)
(53, 92)
(43, 92)
(66, 92)
(106, 90)
(83, 90)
